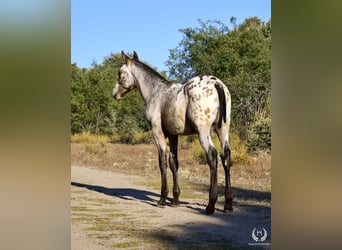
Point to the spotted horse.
(182, 109)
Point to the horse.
(174, 109)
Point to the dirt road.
(112, 210)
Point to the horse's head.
(126, 80)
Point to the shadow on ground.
(123, 193)
(224, 231)
(151, 198)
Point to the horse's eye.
(122, 80)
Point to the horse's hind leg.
(223, 134)
(211, 154)
(173, 162)
(226, 163)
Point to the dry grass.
(88, 138)
(238, 150)
(142, 159)
(195, 152)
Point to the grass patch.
(85, 215)
(81, 217)
(106, 210)
(117, 214)
(81, 209)
(257, 203)
(100, 224)
(116, 223)
(120, 215)
(102, 201)
(88, 138)
(128, 244)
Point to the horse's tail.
(223, 105)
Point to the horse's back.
(186, 108)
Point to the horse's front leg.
(161, 145)
(173, 162)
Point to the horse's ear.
(135, 56)
(124, 57)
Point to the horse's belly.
(178, 127)
(176, 123)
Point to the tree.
(239, 57)
(92, 106)
(90, 98)
(78, 97)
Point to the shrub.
(259, 135)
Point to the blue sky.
(150, 27)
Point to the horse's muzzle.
(115, 94)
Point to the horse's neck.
(147, 85)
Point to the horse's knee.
(212, 157)
(226, 157)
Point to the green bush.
(259, 135)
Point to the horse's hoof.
(228, 207)
(228, 210)
(210, 210)
(175, 204)
(161, 204)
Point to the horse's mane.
(151, 71)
